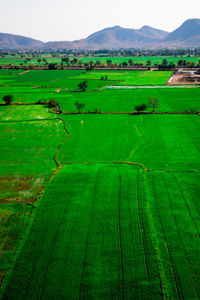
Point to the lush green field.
(131, 78)
(110, 236)
(26, 162)
(172, 140)
(65, 79)
(171, 100)
(98, 206)
(71, 78)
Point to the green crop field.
(17, 60)
(131, 78)
(71, 78)
(171, 99)
(102, 204)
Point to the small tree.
(79, 106)
(53, 104)
(52, 66)
(154, 102)
(124, 64)
(130, 62)
(83, 85)
(8, 99)
(140, 107)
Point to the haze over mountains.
(186, 36)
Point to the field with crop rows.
(102, 204)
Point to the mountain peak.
(188, 33)
(116, 37)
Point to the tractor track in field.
(52, 251)
(87, 243)
(163, 277)
(120, 234)
(186, 204)
(172, 264)
(141, 231)
(196, 286)
(180, 238)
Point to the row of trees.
(55, 106)
(133, 52)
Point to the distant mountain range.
(186, 36)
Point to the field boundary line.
(120, 233)
(131, 113)
(129, 163)
(58, 163)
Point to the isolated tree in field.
(124, 64)
(130, 62)
(8, 99)
(83, 85)
(55, 105)
(154, 102)
(52, 66)
(148, 63)
(79, 106)
(139, 108)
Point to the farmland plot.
(109, 235)
(118, 217)
(171, 100)
(93, 236)
(26, 162)
(155, 141)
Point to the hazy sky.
(50, 20)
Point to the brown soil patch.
(184, 79)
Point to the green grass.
(131, 77)
(39, 78)
(10, 72)
(160, 142)
(65, 79)
(84, 239)
(171, 100)
(26, 163)
(175, 217)
(119, 217)
(28, 112)
(148, 78)
(107, 236)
